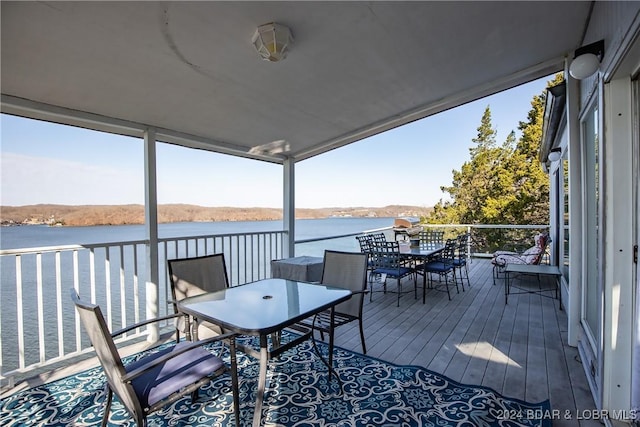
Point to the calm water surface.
(42, 235)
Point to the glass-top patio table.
(422, 251)
(265, 308)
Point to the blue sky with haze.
(47, 163)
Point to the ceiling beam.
(51, 113)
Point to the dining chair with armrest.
(157, 379)
(442, 266)
(431, 237)
(365, 241)
(461, 259)
(195, 276)
(346, 270)
(379, 237)
(389, 262)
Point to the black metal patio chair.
(443, 266)
(389, 262)
(461, 259)
(431, 237)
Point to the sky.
(42, 162)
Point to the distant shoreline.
(91, 215)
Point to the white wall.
(617, 23)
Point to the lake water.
(42, 236)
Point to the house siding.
(617, 23)
(610, 21)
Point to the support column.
(574, 300)
(618, 265)
(289, 208)
(151, 232)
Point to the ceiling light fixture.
(272, 41)
(273, 148)
(555, 154)
(586, 60)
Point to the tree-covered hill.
(88, 215)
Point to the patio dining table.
(422, 251)
(263, 309)
(389, 257)
(421, 254)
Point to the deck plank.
(480, 357)
(518, 349)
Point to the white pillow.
(532, 251)
(509, 259)
(498, 253)
(529, 259)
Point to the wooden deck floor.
(518, 349)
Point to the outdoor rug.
(375, 393)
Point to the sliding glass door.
(592, 296)
(591, 319)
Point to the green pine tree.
(500, 184)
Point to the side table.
(301, 268)
(539, 270)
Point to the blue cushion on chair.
(173, 375)
(459, 262)
(393, 272)
(436, 266)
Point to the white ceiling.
(355, 68)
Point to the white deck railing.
(39, 325)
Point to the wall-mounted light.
(586, 60)
(555, 154)
(272, 41)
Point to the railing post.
(151, 228)
(289, 208)
(469, 243)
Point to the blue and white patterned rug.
(376, 393)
